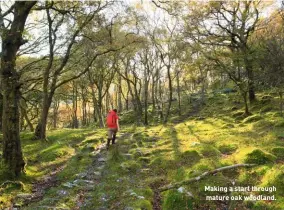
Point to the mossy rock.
(257, 156)
(191, 156)
(131, 166)
(209, 151)
(228, 148)
(278, 152)
(253, 118)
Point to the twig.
(195, 179)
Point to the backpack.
(111, 119)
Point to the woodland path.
(94, 188)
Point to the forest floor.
(73, 170)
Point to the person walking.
(113, 126)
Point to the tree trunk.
(100, 108)
(84, 106)
(40, 131)
(55, 113)
(153, 94)
(94, 103)
(249, 70)
(146, 101)
(75, 123)
(127, 101)
(244, 94)
(170, 94)
(281, 102)
(119, 93)
(11, 42)
(25, 115)
(1, 109)
(161, 104)
(178, 92)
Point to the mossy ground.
(148, 157)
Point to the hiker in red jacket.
(113, 126)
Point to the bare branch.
(195, 179)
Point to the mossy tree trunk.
(281, 102)
(11, 41)
(178, 92)
(244, 94)
(75, 123)
(170, 94)
(1, 109)
(119, 95)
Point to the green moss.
(131, 166)
(228, 125)
(280, 123)
(266, 99)
(257, 156)
(261, 205)
(190, 156)
(252, 118)
(115, 153)
(262, 124)
(278, 152)
(228, 148)
(238, 114)
(142, 204)
(266, 109)
(144, 159)
(209, 151)
(173, 200)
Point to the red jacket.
(112, 118)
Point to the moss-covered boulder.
(278, 152)
(227, 148)
(191, 156)
(257, 156)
